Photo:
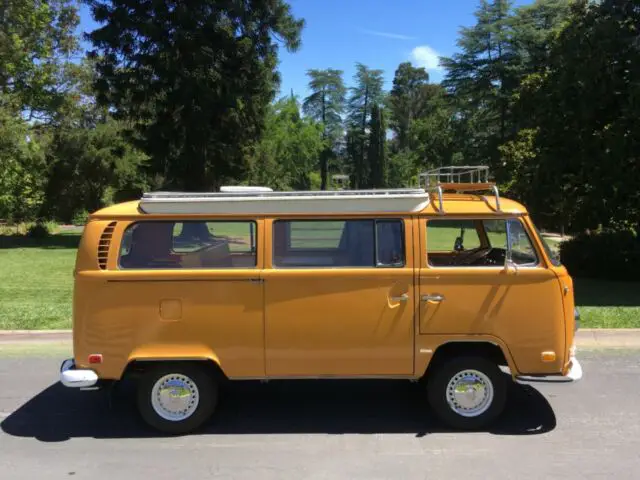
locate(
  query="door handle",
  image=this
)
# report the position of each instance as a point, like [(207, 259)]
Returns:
[(432, 298), (402, 298)]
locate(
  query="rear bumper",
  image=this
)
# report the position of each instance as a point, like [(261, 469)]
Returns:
[(574, 374), (74, 378)]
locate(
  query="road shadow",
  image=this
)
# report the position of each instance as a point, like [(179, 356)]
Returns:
[(52, 241), (301, 407)]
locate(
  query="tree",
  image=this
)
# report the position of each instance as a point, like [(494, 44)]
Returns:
[(36, 40), (22, 167), (534, 29), (366, 93), (194, 78), (325, 105), (91, 163), (402, 168), (435, 135), (285, 157), (89, 168), (481, 77), (377, 157), (407, 100), (585, 115)]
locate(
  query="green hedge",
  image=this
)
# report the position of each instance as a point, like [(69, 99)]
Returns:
[(613, 255)]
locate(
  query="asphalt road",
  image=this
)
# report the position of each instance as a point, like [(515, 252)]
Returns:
[(317, 430)]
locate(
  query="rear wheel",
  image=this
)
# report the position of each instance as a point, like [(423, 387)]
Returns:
[(176, 398), (468, 392)]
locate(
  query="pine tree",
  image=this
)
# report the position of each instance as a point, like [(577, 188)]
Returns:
[(195, 79), (407, 100), (325, 104), (366, 93), (377, 157), (481, 77)]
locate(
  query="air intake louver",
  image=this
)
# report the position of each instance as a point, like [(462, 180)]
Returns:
[(103, 246)]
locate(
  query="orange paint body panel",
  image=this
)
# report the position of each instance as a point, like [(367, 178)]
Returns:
[(264, 321)]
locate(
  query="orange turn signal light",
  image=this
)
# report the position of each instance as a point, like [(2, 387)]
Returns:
[(548, 356)]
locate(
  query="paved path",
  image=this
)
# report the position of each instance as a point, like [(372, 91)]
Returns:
[(324, 430)]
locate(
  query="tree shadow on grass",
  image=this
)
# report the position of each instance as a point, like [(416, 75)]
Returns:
[(605, 293), (53, 241), (284, 407)]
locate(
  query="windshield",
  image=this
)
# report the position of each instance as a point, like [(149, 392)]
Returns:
[(552, 252)]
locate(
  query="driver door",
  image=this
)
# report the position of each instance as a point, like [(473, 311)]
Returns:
[(471, 291)]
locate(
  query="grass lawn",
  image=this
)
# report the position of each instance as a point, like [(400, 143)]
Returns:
[(606, 304), (36, 283)]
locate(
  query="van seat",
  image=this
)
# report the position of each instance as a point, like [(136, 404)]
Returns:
[(217, 254)]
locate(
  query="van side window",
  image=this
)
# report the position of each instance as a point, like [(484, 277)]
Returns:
[(478, 243), (331, 243), (389, 243), (166, 244)]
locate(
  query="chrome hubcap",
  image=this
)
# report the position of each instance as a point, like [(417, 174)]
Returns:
[(175, 397), (470, 393)]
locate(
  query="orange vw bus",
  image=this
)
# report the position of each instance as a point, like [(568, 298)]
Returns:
[(447, 284)]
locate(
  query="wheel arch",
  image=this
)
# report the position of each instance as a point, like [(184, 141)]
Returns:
[(144, 358), (138, 366), (490, 348)]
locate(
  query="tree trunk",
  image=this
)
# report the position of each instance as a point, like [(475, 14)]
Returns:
[(194, 179), (324, 167), (361, 174), (323, 156)]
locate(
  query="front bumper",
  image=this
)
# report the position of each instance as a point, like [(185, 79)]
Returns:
[(574, 374), (74, 378)]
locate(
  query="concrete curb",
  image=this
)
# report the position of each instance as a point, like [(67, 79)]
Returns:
[(34, 332), (586, 337), (608, 337)]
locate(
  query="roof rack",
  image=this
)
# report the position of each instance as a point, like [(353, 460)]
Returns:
[(263, 201), (464, 178)]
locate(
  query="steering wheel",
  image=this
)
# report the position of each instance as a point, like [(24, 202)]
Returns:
[(470, 256), (489, 257), (495, 256)]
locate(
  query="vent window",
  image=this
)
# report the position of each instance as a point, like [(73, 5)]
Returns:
[(103, 246)]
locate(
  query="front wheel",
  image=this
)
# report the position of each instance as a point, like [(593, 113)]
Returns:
[(467, 393), (176, 398)]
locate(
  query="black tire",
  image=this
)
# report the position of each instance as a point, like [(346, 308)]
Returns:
[(207, 397), (438, 382)]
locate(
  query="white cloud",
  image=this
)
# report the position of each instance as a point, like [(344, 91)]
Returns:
[(426, 57), (395, 36)]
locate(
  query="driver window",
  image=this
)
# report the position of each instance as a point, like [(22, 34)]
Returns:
[(450, 239), (522, 250), (478, 243)]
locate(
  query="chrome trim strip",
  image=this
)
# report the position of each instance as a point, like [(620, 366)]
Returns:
[(327, 377)]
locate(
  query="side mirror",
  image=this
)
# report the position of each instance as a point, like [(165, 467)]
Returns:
[(510, 264)]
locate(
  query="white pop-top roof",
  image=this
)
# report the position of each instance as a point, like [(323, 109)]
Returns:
[(264, 201), (243, 189)]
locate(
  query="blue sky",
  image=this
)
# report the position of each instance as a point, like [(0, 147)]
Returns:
[(378, 33)]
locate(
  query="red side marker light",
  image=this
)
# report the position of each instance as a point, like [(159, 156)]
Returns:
[(95, 358)]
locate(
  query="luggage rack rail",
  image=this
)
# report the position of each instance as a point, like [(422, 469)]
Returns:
[(464, 178)]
